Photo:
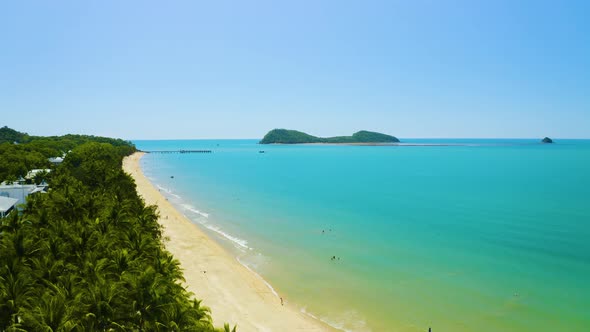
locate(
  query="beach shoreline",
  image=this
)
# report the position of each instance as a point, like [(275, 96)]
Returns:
[(235, 293)]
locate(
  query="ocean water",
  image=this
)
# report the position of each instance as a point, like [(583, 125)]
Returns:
[(476, 235)]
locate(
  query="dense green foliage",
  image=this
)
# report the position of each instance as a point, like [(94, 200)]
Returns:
[(285, 136), (11, 136), (547, 140), (88, 256), (20, 153)]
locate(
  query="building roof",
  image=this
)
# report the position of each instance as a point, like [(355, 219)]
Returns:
[(6, 203), (17, 187), (38, 190), (32, 173)]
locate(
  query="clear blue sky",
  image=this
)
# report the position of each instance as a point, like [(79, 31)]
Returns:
[(236, 69)]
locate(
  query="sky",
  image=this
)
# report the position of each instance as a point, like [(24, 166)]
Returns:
[(236, 69)]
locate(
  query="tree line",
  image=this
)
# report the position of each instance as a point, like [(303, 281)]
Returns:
[(20, 152), (88, 255), (287, 136)]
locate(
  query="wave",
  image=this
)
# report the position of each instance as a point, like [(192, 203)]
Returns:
[(241, 242), (167, 191), (192, 209), (261, 278), (337, 325)]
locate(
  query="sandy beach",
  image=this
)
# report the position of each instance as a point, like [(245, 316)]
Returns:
[(235, 294)]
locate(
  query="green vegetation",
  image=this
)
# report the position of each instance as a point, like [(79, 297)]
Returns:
[(547, 140), (285, 136), (20, 153), (88, 255)]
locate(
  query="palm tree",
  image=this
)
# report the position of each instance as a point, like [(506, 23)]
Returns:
[(147, 219), (226, 328), (89, 255), (140, 244), (51, 312), (167, 265), (17, 293), (10, 224), (184, 316), (47, 268), (101, 299), (120, 261), (147, 291), (22, 245)]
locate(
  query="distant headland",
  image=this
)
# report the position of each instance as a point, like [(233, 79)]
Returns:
[(285, 136)]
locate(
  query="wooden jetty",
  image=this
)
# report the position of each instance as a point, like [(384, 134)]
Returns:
[(179, 151)]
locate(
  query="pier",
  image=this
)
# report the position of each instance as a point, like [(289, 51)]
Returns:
[(179, 151)]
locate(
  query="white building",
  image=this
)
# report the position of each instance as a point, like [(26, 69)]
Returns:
[(32, 173), (6, 205), (20, 191), (56, 160)]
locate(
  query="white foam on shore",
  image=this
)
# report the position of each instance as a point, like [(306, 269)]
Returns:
[(334, 325), (241, 242), (303, 310), (261, 278), (167, 191), (192, 209)]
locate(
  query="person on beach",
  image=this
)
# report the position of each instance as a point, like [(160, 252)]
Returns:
[(281, 301)]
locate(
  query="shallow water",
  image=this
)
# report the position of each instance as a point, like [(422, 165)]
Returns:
[(476, 235)]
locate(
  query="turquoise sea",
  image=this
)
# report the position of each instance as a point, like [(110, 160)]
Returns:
[(476, 235)]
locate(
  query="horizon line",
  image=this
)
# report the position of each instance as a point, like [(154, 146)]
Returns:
[(250, 138)]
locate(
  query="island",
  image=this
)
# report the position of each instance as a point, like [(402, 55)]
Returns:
[(286, 136), (547, 140)]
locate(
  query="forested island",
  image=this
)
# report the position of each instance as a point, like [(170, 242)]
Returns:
[(88, 254), (286, 136)]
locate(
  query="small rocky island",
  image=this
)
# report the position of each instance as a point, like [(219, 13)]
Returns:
[(547, 140), (285, 136)]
